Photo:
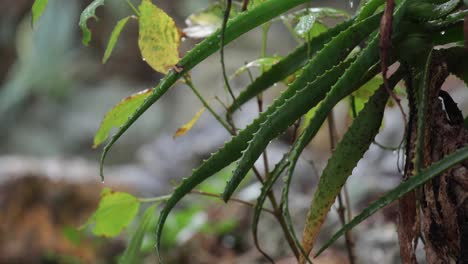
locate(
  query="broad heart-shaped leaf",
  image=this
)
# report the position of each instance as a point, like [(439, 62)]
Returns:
[(132, 253), (114, 37), (185, 128), (158, 37), (233, 149), (88, 12), (236, 27), (37, 9), (344, 159), (116, 211), (119, 115), (411, 184)]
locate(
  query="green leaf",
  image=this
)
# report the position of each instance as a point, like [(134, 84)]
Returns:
[(362, 95), (72, 234), (344, 159), (132, 253), (411, 184), (37, 9), (119, 114), (113, 38), (263, 63), (205, 22), (115, 212), (88, 13), (306, 98), (235, 28), (288, 65), (158, 37)]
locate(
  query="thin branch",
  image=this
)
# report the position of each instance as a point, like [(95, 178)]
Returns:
[(341, 209), (164, 198), (190, 84)]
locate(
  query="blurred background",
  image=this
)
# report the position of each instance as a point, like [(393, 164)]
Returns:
[(54, 93)]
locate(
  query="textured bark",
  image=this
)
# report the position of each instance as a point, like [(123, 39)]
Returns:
[(443, 203)]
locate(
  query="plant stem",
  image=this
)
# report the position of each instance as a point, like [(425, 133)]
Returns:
[(341, 209), (202, 193), (133, 8), (190, 84)]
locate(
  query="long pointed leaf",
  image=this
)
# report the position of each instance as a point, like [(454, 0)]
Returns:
[(344, 159), (325, 80), (288, 65), (304, 99), (235, 28), (233, 149), (132, 253), (409, 185)]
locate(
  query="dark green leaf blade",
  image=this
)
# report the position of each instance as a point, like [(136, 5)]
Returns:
[(411, 184), (288, 65)]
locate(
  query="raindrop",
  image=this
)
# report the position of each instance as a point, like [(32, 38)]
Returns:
[(102, 181), (183, 39), (442, 33), (394, 152), (351, 3), (144, 59)]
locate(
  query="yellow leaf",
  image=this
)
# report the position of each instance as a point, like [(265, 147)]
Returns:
[(185, 128), (158, 38)]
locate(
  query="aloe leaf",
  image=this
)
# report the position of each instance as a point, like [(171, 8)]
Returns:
[(409, 185), (344, 159), (288, 65), (298, 105), (236, 27), (37, 9), (132, 253), (325, 80), (233, 149), (88, 12), (113, 38), (368, 9), (422, 98), (426, 11)]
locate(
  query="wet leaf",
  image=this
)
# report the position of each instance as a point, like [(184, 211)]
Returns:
[(132, 253), (113, 38), (119, 114), (115, 212), (88, 12), (185, 128), (37, 9), (205, 22), (263, 63), (158, 38)]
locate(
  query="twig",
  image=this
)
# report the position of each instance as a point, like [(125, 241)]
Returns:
[(190, 84), (202, 193), (341, 209), (227, 12)]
